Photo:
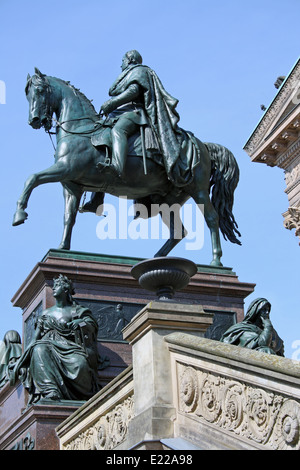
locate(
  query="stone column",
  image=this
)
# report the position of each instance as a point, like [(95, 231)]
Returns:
[(154, 410)]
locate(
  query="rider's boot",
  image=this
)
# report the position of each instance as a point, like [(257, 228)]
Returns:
[(93, 204), (119, 150), (120, 133), (119, 154)]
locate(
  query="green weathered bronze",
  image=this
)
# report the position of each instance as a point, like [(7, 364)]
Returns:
[(256, 330), (61, 361), (10, 352), (133, 148)]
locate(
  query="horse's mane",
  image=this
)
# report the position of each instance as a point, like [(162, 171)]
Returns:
[(77, 92)]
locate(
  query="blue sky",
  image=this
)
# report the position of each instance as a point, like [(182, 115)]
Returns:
[(219, 58)]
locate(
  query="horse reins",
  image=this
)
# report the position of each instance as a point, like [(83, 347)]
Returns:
[(83, 133)]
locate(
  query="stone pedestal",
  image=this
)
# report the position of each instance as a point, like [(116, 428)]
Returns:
[(153, 392), (105, 285), (30, 428), (185, 392)]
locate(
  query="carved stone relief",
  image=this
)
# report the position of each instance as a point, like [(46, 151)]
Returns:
[(107, 432), (292, 177), (27, 443), (30, 323), (253, 413), (111, 317), (221, 322)]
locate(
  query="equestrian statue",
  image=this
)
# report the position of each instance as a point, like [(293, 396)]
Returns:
[(134, 148)]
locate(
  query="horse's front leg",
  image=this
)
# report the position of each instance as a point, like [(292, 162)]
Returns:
[(53, 174), (72, 195)]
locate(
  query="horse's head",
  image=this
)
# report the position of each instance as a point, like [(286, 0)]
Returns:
[(38, 94)]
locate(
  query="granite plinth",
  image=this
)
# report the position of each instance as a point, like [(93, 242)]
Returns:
[(31, 428), (105, 284)]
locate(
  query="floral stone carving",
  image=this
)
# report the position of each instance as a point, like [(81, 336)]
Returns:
[(107, 432), (252, 413)]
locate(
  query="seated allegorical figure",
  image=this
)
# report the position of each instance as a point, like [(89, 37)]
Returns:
[(10, 352), (61, 361), (256, 330)]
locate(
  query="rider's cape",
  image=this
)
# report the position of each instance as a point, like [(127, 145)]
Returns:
[(179, 148)]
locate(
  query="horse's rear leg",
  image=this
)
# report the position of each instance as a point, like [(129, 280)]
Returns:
[(52, 175), (212, 221), (171, 217)]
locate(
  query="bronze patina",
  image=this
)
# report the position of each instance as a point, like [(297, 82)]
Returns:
[(256, 330), (61, 361), (10, 352), (133, 148)]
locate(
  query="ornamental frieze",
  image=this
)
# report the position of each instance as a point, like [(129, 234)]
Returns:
[(252, 413), (292, 177), (107, 432)]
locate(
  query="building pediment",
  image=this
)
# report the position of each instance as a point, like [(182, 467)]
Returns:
[(276, 136), (276, 142)]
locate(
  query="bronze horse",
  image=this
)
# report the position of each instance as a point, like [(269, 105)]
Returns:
[(213, 184)]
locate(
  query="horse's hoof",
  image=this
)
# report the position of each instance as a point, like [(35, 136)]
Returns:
[(19, 217), (216, 262), (88, 207), (63, 247)]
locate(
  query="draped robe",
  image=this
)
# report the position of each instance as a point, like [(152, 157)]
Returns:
[(57, 363), (180, 149)]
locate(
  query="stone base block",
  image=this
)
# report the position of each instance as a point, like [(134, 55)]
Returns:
[(151, 425), (31, 428)]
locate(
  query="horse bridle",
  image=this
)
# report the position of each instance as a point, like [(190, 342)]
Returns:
[(50, 119)]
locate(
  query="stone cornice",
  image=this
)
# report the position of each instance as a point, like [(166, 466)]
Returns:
[(268, 364), (284, 95)]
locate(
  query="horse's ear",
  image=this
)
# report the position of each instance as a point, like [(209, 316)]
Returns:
[(38, 72), (28, 77)]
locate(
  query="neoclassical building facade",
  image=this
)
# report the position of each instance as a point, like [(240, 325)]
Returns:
[(276, 141)]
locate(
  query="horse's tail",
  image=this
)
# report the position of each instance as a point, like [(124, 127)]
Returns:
[(224, 179)]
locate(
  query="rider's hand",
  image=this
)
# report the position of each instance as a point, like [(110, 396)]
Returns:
[(107, 107), (266, 322)]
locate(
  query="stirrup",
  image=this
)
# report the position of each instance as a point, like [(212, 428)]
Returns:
[(105, 164)]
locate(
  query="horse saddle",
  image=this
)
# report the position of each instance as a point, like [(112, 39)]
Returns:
[(102, 138), (183, 168)]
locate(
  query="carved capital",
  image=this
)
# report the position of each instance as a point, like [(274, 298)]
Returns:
[(292, 219)]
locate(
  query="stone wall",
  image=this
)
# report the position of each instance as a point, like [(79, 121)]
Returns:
[(198, 392), (102, 422), (232, 397)]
